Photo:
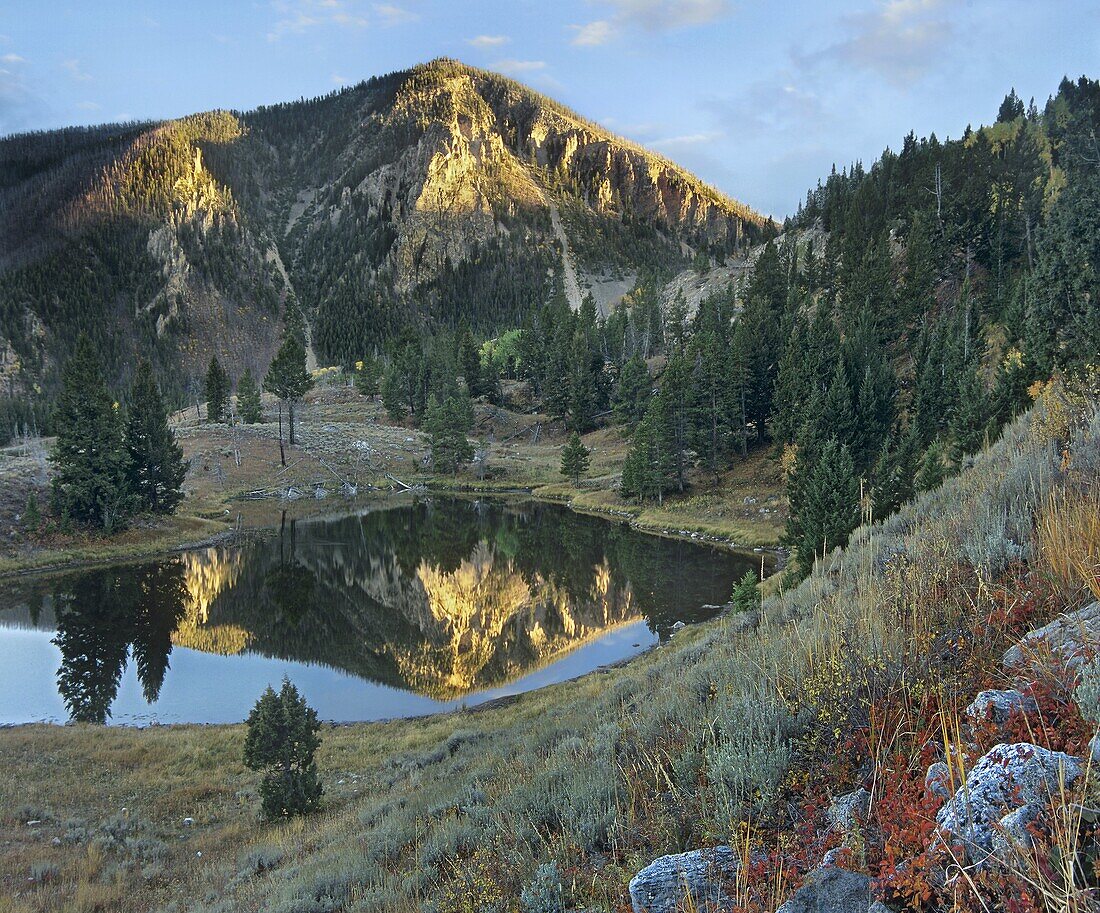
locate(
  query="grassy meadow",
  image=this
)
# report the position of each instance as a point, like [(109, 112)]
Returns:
[(735, 731)]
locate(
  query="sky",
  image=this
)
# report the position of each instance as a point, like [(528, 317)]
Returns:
[(760, 98)]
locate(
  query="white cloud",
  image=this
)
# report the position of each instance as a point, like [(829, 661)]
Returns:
[(688, 139), (595, 33), (514, 67), (12, 58), (339, 80), (488, 41), (390, 14), (901, 40), (89, 106), (298, 16), (651, 15), (72, 67)]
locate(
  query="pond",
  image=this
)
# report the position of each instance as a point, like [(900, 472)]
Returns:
[(409, 608)]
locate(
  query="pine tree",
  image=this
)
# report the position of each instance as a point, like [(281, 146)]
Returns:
[(827, 504), (932, 471), (649, 470), (632, 393), (970, 417), (90, 485), (574, 459), (368, 374), (156, 467), (288, 379), (282, 741), (216, 391), (447, 424), (895, 472), (249, 403)]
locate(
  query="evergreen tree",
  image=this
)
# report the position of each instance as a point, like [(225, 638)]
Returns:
[(288, 379), (469, 360), (574, 459), (368, 376), (393, 394), (447, 423), (828, 508), (932, 471), (249, 403), (746, 593), (216, 391), (156, 467), (282, 741), (632, 393), (91, 484), (970, 417), (648, 470), (894, 473)]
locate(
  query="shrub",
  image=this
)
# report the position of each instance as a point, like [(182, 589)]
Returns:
[(282, 739), (746, 595), (543, 894)]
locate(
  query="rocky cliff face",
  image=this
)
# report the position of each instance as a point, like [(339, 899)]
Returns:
[(427, 194)]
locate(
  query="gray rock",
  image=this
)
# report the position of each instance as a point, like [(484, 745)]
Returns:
[(1011, 836), (664, 884), (833, 890), (1094, 748), (998, 706), (1071, 637), (847, 812), (1006, 778), (937, 780)]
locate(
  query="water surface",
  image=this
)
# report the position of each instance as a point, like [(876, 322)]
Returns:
[(411, 609)]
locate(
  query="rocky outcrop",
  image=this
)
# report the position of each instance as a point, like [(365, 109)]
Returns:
[(698, 877), (999, 706), (1073, 639), (833, 890), (848, 812), (1007, 778)]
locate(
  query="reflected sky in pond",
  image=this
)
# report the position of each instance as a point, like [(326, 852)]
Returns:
[(413, 609)]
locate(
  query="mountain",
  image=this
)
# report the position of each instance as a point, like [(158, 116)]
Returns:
[(437, 195)]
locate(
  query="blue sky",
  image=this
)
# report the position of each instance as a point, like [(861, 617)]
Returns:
[(759, 98)]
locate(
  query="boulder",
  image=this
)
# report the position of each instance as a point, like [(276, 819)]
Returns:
[(998, 706), (665, 884), (937, 780), (1094, 748), (833, 890), (1071, 637), (847, 812), (1005, 779), (1011, 836)]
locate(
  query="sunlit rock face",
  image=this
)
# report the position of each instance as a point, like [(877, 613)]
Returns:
[(207, 574)]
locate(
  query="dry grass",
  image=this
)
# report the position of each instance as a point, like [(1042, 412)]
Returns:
[(1069, 539)]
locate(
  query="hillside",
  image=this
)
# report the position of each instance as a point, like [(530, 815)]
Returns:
[(434, 196)]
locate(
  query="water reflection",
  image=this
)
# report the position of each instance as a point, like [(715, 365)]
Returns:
[(442, 598)]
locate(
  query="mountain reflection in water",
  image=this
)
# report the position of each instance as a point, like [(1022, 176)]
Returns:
[(443, 598)]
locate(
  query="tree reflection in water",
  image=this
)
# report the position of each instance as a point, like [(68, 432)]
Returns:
[(442, 598)]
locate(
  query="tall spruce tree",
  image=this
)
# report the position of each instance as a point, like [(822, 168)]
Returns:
[(632, 393), (91, 484), (574, 458), (249, 404), (828, 504), (216, 390), (288, 379), (156, 468), (447, 423)]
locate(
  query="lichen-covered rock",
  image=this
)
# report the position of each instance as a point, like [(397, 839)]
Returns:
[(1073, 638), (937, 780), (1094, 748), (1011, 836), (998, 706), (847, 812), (1006, 778), (666, 883), (833, 890)]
